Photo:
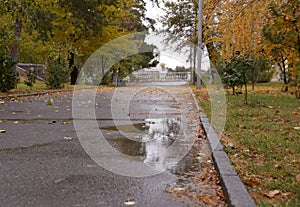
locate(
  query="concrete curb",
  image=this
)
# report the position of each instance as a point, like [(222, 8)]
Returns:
[(38, 93), (232, 186), (23, 95)]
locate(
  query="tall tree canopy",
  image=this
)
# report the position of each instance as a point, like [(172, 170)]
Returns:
[(70, 31), (268, 30)]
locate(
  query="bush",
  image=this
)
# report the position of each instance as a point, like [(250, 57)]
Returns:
[(56, 76), (265, 76), (31, 76), (8, 77)]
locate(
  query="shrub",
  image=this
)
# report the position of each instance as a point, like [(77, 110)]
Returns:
[(56, 76), (31, 76), (8, 77), (265, 76)]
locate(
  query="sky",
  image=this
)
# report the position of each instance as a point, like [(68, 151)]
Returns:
[(167, 55)]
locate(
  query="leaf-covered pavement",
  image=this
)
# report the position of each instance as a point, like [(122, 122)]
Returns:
[(43, 163)]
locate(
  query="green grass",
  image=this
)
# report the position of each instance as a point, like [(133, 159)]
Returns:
[(262, 142)]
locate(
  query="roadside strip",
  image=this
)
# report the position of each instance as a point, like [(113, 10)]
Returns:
[(232, 186)]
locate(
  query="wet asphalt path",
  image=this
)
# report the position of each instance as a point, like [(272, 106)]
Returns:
[(42, 162)]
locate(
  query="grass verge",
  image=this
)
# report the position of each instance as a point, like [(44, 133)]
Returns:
[(41, 87), (262, 140)]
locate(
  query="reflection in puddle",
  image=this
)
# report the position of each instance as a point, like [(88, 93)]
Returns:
[(155, 136)]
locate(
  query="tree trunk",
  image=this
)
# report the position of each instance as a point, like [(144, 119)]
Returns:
[(284, 74), (246, 93), (74, 68), (15, 46), (74, 75)]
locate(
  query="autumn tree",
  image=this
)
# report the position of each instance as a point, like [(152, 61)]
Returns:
[(181, 21), (282, 37)]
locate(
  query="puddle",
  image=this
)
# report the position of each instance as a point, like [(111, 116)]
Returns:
[(132, 128), (155, 136)]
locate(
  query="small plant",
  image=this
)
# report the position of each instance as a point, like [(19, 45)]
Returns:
[(49, 102), (31, 76), (8, 77), (57, 75)]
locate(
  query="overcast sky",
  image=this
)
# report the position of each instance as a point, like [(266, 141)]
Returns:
[(167, 55)]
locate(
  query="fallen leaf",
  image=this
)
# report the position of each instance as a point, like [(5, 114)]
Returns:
[(49, 102), (254, 183), (68, 138), (58, 180), (1, 121), (2, 102), (16, 122), (129, 203), (298, 177), (230, 144), (2, 131), (297, 128), (65, 122), (178, 189), (260, 163), (287, 194), (273, 193)]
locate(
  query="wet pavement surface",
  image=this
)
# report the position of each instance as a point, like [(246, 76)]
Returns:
[(43, 162)]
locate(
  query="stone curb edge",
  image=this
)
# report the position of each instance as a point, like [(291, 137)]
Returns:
[(38, 93), (232, 186), (25, 95)]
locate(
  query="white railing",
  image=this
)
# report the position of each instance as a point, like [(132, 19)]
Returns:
[(156, 76)]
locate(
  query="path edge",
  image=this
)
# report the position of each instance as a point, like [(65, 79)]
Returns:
[(232, 186)]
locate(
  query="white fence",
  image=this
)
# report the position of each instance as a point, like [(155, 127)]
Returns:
[(157, 76)]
